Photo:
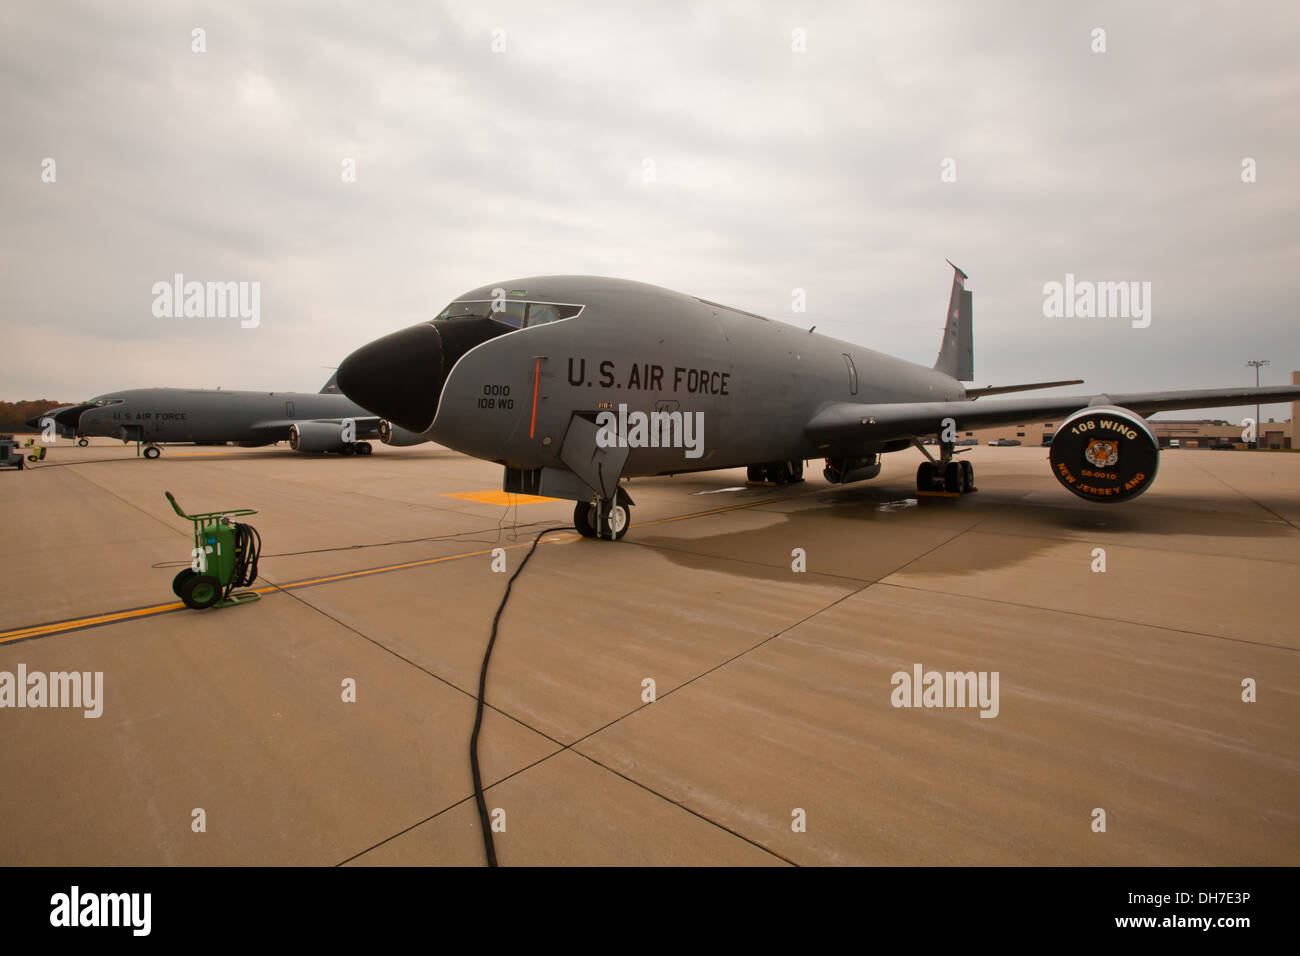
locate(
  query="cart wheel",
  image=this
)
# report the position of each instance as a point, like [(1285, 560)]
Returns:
[(178, 582), (200, 591)]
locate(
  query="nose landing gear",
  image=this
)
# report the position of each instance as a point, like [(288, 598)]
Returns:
[(602, 518)]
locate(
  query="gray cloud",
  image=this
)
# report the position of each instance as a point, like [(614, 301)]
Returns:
[(774, 170)]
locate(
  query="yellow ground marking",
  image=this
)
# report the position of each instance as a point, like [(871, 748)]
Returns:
[(113, 617), (497, 497), (206, 454)]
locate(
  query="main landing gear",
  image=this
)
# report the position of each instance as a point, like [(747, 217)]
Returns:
[(777, 472), (602, 518), (945, 476)]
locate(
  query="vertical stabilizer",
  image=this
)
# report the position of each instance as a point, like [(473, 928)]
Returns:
[(957, 355)]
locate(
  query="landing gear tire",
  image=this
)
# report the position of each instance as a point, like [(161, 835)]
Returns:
[(954, 478), (968, 477), (928, 477), (182, 576), (614, 525), (364, 448), (588, 522), (582, 519), (755, 473), (200, 591), (152, 451), (83, 442), (790, 472)]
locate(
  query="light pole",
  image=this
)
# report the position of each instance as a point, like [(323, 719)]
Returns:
[(1258, 426)]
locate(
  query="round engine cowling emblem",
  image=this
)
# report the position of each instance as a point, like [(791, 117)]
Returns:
[(1105, 453)]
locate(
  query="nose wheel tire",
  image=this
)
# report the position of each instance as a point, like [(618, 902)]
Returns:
[(152, 451), (582, 522), (587, 521), (83, 442)]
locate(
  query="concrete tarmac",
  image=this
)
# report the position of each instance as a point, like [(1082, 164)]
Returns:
[(773, 738)]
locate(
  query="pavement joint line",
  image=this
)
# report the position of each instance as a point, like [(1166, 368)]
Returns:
[(1091, 617), (112, 617), (1258, 504), (134, 507), (747, 561), (452, 684), (51, 628)]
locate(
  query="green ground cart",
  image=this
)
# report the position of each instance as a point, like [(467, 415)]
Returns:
[(225, 557)]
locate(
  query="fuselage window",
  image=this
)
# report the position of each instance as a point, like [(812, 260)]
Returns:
[(539, 313), (512, 313), (853, 374)]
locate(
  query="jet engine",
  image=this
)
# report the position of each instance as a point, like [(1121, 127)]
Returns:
[(323, 436), (398, 436), (1105, 453)]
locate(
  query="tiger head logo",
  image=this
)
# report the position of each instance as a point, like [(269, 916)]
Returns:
[(1102, 452)]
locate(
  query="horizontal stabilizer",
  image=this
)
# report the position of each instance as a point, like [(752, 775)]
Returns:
[(1004, 389)]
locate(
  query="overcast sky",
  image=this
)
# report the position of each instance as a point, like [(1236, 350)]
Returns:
[(772, 170)]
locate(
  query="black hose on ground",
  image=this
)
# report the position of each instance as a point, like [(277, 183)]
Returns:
[(484, 820)]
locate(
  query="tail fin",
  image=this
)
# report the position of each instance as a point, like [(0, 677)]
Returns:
[(332, 386), (957, 355)]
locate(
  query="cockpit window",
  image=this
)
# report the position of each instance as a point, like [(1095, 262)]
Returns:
[(104, 402), (514, 313)]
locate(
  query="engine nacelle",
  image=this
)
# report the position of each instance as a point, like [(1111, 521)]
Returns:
[(1105, 453), (316, 436), (398, 436)]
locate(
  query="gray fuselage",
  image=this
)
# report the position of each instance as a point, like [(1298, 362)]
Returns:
[(757, 382)]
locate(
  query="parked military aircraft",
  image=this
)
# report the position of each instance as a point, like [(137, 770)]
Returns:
[(574, 383), (310, 422), (62, 427)]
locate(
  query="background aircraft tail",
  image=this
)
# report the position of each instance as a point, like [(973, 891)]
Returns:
[(957, 355), (332, 386)]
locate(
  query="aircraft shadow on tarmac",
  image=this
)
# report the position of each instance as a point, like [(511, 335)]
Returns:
[(837, 524)]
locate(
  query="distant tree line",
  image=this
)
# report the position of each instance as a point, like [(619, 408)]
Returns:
[(14, 415)]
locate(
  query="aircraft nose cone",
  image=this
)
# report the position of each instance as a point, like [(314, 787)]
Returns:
[(398, 377)]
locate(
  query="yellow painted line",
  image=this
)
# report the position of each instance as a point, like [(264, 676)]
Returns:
[(497, 497), (113, 617), (41, 630), (207, 454)]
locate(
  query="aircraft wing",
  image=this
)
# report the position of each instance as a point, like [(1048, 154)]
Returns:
[(843, 422), (367, 425)]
